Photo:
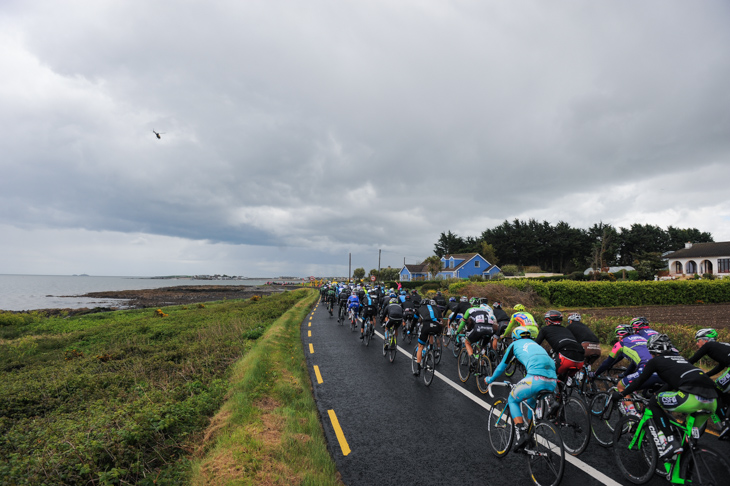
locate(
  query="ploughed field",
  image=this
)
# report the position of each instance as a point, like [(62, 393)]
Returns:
[(705, 315)]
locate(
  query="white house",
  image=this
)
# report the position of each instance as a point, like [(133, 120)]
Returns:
[(700, 258)]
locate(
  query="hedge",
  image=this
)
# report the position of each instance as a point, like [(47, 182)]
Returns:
[(611, 294)]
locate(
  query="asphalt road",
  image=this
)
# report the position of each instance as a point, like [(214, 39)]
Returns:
[(384, 426)]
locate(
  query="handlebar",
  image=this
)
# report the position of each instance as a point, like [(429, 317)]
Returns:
[(503, 383)]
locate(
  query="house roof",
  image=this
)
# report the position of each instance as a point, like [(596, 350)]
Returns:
[(460, 256), (700, 250), (419, 268)]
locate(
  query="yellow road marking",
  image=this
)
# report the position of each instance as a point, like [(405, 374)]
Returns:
[(338, 432), (316, 372), (311, 348), (309, 333), (310, 324)]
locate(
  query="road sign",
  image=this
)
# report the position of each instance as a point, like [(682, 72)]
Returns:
[(372, 278), (311, 278)]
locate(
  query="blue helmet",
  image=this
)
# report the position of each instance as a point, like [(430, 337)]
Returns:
[(521, 332)]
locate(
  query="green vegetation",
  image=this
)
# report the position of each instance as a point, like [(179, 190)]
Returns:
[(120, 397), (268, 431), (611, 294)]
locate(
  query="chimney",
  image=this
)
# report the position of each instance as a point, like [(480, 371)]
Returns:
[(688, 245)]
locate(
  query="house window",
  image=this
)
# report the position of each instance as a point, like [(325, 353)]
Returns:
[(451, 263), (723, 265), (476, 263)]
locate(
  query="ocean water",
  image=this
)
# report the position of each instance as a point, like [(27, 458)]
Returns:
[(28, 292)]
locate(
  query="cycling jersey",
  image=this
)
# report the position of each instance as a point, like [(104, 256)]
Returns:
[(460, 309), (501, 315), (393, 312), (646, 333), (353, 303), (720, 352), (523, 319), (562, 341), (479, 323), (632, 347)]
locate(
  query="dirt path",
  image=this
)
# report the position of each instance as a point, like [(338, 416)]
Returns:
[(707, 315)]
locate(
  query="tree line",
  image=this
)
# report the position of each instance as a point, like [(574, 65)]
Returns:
[(561, 248)]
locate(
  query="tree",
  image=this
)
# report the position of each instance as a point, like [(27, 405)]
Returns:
[(648, 264), (448, 244), (487, 251), (388, 274), (358, 273), (433, 263)]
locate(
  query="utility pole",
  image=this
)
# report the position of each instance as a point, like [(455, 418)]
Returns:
[(349, 269), (379, 263)]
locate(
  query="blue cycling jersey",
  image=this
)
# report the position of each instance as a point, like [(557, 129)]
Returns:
[(533, 356), (353, 301)]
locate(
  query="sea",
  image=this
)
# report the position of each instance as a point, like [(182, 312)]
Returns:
[(30, 292)]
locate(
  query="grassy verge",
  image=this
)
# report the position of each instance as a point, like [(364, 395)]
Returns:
[(268, 431), (122, 397)]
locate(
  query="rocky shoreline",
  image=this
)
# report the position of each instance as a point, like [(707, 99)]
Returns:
[(165, 296)]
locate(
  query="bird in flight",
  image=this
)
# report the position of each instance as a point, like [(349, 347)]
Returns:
[(158, 134)]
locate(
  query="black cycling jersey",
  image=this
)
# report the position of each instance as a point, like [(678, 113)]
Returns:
[(562, 341), (678, 374), (582, 333), (501, 315), (393, 312), (720, 352), (460, 309), (430, 313)]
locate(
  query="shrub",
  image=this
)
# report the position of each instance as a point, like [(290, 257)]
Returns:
[(510, 270)]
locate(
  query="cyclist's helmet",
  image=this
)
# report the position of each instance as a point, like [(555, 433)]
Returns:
[(553, 318), (438, 293), (519, 308), (708, 334), (659, 344), (452, 299), (639, 323), (574, 317), (497, 305), (521, 332), (393, 300), (408, 297), (623, 330), (463, 298), (403, 292), (474, 301), (432, 302)]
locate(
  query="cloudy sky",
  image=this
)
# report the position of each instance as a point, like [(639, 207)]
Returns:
[(297, 132)]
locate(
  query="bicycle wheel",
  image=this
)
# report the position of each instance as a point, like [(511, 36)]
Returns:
[(414, 363), (604, 416), (500, 428), (457, 347), (574, 425), (484, 369), (511, 368), (393, 347), (437, 351), (636, 457), (463, 363), (546, 456), (429, 368), (386, 340), (366, 334), (703, 466)]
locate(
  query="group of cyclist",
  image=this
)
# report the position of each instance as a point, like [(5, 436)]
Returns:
[(654, 362)]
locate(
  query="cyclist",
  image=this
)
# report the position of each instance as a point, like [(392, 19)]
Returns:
[(393, 315), (479, 322), (441, 302), (640, 325), (331, 299), (587, 338), (692, 390), (501, 316), (342, 298), (416, 297), (708, 345), (460, 309), (409, 312), (521, 318), (539, 375), (430, 317), (633, 347), (353, 304), (567, 352), (369, 310)]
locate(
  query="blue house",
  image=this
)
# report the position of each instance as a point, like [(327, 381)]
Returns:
[(462, 265)]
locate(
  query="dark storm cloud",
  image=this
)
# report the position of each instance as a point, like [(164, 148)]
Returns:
[(333, 125)]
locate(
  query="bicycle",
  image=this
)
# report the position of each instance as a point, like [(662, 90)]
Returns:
[(605, 414), (636, 453), (341, 315), (544, 451), (390, 343), (428, 363), (330, 306), (408, 330), (478, 363), (352, 315), (570, 415), (368, 331)]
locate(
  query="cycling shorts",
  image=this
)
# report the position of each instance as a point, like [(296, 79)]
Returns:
[(368, 311), (565, 366), (394, 323), (723, 381), (502, 327), (479, 332), (678, 401), (527, 390), (653, 379), (430, 328)]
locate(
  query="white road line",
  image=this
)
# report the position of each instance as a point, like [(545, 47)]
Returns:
[(587, 468)]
